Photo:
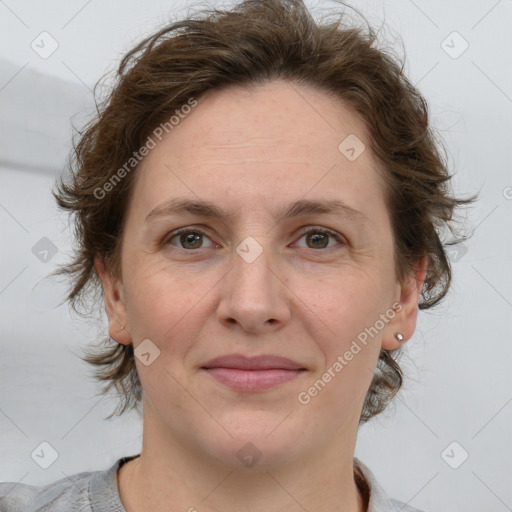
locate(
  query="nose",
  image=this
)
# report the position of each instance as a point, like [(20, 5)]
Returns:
[(254, 294)]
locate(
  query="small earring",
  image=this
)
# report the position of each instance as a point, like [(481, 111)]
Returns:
[(122, 327), (399, 337)]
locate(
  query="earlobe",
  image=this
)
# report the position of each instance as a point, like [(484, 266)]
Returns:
[(401, 328), (114, 303)]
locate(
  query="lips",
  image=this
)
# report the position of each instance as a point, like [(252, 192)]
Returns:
[(253, 374), (263, 362)]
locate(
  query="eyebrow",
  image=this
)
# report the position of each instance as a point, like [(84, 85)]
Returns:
[(298, 208)]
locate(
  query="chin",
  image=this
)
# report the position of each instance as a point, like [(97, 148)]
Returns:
[(258, 441)]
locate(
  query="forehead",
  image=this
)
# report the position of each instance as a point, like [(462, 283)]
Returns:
[(250, 144), (270, 119)]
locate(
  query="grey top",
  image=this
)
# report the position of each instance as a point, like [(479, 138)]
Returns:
[(97, 491)]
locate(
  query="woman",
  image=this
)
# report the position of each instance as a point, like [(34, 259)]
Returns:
[(258, 201)]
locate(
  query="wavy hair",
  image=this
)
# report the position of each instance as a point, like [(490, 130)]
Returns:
[(254, 42)]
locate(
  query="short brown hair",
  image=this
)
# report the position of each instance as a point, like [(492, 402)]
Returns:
[(254, 42)]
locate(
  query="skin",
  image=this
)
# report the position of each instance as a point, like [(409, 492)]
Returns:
[(252, 152)]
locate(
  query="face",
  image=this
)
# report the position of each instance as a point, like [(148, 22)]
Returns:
[(302, 286)]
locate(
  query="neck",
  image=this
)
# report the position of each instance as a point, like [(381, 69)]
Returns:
[(170, 475)]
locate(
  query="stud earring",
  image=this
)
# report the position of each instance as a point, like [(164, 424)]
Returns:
[(122, 327), (399, 337)]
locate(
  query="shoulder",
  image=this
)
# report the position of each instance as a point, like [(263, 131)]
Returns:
[(71, 494), (378, 500), (88, 491)]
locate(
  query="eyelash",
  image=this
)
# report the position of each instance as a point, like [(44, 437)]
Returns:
[(314, 229)]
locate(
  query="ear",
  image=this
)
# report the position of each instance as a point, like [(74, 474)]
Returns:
[(118, 327), (408, 296)]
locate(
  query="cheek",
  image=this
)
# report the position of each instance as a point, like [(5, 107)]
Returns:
[(350, 349), (161, 302), (345, 324), (351, 299)]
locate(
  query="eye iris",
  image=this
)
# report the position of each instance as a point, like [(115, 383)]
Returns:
[(317, 237), (190, 237)]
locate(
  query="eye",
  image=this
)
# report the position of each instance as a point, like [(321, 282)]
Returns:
[(319, 238), (190, 239)]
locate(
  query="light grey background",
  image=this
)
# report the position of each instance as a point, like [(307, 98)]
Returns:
[(458, 387)]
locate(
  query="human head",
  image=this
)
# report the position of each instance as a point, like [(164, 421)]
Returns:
[(250, 45)]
